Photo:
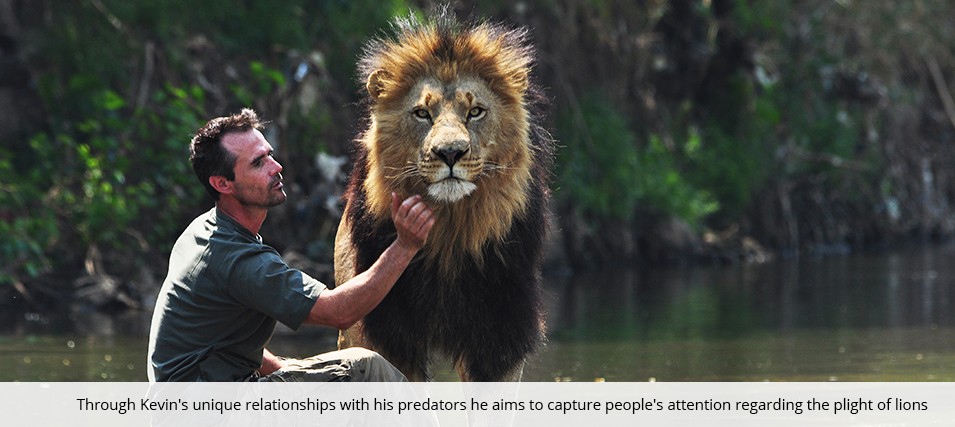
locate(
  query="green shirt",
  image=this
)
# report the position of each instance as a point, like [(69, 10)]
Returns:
[(218, 306)]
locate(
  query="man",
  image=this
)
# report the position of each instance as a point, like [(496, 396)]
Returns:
[(225, 289)]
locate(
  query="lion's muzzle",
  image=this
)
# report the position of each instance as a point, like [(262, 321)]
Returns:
[(450, 165), (450, 155)]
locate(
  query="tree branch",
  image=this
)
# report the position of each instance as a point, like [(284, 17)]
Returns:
[(942, 87)]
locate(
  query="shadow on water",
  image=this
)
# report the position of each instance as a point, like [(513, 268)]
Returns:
[(885, 317)]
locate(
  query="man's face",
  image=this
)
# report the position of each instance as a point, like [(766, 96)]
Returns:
[(258, 177)]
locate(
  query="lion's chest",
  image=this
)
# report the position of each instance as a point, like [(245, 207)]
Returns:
[(448, 276)]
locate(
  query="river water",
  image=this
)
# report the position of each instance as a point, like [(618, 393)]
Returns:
[(882, 317)]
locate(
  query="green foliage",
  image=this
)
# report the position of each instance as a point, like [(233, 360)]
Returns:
[(105, 181), (670, 189), (346, 25), (603, 172), (599, 164), (27, 228), (761, 18), (126, 84)]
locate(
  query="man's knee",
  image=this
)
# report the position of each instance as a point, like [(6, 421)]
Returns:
[(368, 365), (358, 353)]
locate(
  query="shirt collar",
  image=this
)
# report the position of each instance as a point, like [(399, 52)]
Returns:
[(228, 221)]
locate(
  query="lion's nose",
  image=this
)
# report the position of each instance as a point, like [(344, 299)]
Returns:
[(449, 155)]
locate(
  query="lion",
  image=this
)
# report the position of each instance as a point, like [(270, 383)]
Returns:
[(451, 115)]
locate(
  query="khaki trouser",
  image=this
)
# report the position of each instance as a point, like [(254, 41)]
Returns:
[(351, 364)]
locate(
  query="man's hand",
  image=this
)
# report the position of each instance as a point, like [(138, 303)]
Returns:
[(413, 220)]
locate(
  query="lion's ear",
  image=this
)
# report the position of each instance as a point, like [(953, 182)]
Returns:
[(376, 83)]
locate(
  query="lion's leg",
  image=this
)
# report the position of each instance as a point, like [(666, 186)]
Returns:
[(487, 392), (461, 367), (352, 337), (414, 368), (497, 351), (416, 373)]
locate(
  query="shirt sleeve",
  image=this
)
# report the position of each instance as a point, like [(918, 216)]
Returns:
[(261, 280)]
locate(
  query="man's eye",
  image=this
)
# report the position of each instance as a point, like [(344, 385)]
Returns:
[(476, 113)]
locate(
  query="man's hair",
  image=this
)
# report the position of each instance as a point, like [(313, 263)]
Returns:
[(209, 157)]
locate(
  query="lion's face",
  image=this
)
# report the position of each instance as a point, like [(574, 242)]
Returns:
[(453, 127), (452, 138)]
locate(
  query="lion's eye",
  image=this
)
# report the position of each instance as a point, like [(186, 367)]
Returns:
[(476, 113), (421, 114)]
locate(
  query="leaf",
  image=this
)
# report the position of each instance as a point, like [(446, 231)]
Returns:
[(111, 101)]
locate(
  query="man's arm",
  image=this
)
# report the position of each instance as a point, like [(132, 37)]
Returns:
[(349, 302)]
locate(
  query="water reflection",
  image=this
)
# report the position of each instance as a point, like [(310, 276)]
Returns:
[(854, 318), (865, 317)]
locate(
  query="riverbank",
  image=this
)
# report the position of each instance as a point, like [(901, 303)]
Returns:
[(668, 245)]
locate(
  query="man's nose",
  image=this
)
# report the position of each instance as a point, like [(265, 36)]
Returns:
[(277, 168)]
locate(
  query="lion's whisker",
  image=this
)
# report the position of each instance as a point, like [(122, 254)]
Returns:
[(405, 172), (493, 167)]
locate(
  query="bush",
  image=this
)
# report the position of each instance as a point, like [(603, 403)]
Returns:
[(603, 172)]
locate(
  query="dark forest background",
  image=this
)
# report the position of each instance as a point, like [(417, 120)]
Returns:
[(689, 131)]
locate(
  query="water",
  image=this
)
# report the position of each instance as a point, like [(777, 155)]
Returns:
[(886, 317)]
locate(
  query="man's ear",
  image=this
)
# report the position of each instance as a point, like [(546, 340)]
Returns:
[(221, 184)]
